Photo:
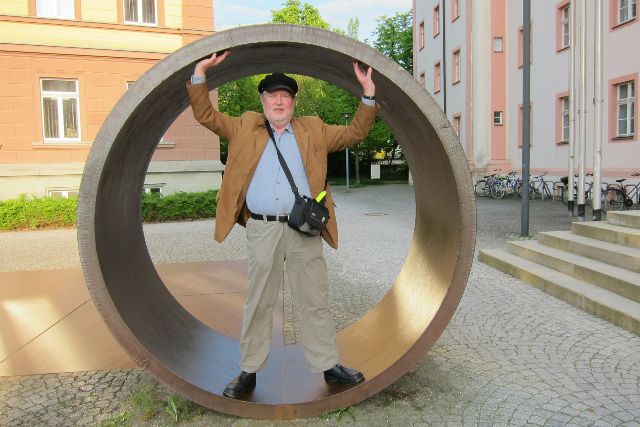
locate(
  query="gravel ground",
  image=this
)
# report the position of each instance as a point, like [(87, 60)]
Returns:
[(512, 355)]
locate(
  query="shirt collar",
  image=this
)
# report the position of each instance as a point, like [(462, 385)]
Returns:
[(288, 128)]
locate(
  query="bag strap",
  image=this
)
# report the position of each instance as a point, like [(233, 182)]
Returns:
[(283, 163)]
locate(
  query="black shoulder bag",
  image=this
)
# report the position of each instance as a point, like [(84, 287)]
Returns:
[(307, 215)]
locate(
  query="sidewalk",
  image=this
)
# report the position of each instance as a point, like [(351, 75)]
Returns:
[(512, 355)]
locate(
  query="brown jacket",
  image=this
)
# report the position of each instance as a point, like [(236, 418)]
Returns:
[(248, 137)]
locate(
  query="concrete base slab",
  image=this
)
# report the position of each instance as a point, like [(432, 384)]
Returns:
[(48, 322)]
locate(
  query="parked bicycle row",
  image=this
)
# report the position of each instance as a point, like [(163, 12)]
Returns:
[(619, 195)]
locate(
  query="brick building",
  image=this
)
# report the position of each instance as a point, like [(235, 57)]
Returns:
[(63, 66)]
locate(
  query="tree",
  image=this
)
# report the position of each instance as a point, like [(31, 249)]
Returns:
[(394, 38), (293, 12)]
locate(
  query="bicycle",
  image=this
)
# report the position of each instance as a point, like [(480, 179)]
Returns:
[(621, 197), (538, 186), (564, 195), (482, 188), (509, 184)]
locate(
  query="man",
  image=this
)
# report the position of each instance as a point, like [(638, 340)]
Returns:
[(256, 194)]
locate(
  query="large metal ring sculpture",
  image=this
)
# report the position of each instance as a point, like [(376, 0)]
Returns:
[(182, 352)]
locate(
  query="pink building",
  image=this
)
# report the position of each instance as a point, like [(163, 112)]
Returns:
[(468, 54)]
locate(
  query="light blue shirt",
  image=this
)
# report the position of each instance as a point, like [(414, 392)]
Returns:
[(270, 192)]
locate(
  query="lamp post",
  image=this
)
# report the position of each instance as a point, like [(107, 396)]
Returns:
[(346, 123)]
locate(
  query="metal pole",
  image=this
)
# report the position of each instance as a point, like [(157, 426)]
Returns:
[(526, 122), (444, 60), (597, 127), (572, 108), (346, 123), (582, 113)]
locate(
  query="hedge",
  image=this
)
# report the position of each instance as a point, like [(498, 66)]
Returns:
[(30, 213)]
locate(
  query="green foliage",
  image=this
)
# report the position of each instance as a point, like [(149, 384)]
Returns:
[(117, 420), (28, 212), (178, 206), (339, 414), (177, 407), (394, 38), (145, 401), (295, 12)]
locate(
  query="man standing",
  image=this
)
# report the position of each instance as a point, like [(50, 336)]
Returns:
[(256, 194)]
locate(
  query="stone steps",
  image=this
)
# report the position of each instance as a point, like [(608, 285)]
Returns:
[(610, 277), (618, 234), (595, 266), (618, 255), (590, 298)]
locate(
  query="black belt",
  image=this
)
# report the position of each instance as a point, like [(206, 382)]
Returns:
[(279, 218)]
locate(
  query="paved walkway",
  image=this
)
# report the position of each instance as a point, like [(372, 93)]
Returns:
[(512, 355)]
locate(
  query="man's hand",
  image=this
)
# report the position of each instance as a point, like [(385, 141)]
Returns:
[(205, 64), (364, 78)]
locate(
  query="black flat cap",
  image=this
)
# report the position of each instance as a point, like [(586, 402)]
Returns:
[(277, 81)]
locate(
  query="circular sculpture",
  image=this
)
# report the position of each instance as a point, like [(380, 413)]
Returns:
[(197, 361)]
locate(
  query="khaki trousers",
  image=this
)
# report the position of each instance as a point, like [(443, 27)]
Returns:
[(270, 245)]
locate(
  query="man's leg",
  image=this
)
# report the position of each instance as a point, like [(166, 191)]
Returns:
[(266, 259), (307, 272)]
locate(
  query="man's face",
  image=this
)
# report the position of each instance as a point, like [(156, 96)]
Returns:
[(278, 106)]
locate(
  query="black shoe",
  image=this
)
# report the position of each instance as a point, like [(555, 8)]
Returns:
[(241, 385), (343, 375)]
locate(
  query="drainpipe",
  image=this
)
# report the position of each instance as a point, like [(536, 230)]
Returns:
[(526, 113), (583, 108), (597, 127), (444, 61), (572, 107)]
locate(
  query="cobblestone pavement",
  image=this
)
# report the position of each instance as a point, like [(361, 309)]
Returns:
[(512, 355)]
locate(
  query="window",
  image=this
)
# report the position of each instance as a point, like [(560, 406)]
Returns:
[(626, 10), (60, 120), (140, 12), (64, 9), (62, 193), (457, 124), (562, 118), (421, 36), (436, 77), (436, 20), (497, 118), (564, 27), (153, 189), (521, 46), (625, 109), (457, 67), (565, 119), (497, 45), (455, 10), (520, 124)]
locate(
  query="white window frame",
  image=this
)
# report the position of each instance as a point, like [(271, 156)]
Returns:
[(139, 10), (60, 97), (498, 118), (497, 45), (564, 112), (63, 192), (52, 9), (457, 125), (629, 7), (457, 66), (629, 102), (566, 17), (149, 188)]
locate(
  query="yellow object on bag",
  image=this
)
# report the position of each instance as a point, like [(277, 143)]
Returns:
[(321, 196)]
